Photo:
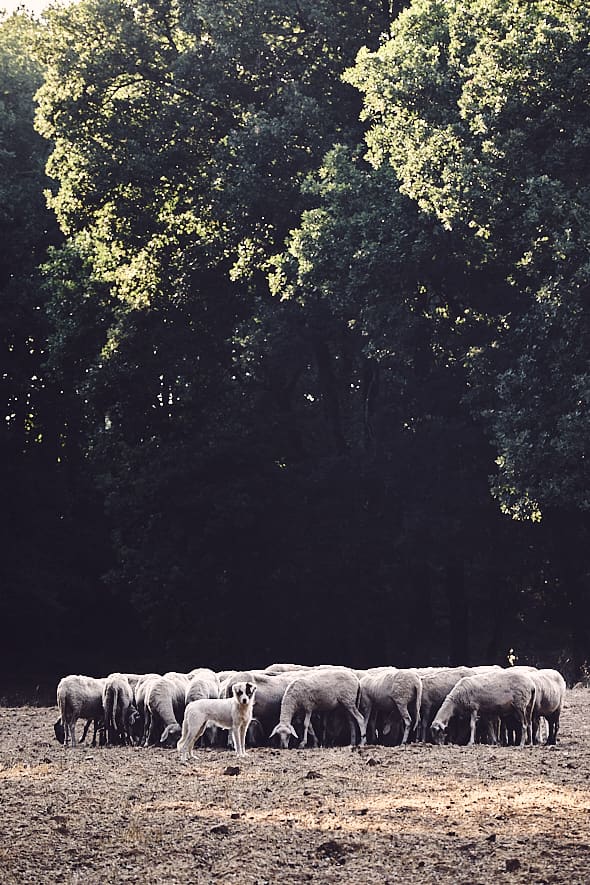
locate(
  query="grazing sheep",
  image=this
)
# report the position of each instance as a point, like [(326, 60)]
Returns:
[(60, 734), (498, 694), (550, 696), (140, 692), (321, 689), (437, 682), (391, 692), (165, 702), (79, 697), (267, 703), (551, 703), (119, 710)]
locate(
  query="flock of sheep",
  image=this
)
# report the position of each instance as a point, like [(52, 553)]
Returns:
[(326, 705)]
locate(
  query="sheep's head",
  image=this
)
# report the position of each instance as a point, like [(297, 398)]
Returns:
[(284, 733), (438, 732), (171, 734), (59, 731)]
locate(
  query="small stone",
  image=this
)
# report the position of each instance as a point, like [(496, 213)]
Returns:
[(221, 830), (512, 865), (232, 769)]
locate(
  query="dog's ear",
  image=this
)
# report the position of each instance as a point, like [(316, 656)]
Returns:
[(251, 688), (235, 689), (293, 732)]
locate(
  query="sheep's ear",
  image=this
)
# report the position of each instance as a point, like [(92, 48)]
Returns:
[(274, 731), (293, 732)]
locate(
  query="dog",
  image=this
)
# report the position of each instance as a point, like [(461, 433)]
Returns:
[(234, 714)]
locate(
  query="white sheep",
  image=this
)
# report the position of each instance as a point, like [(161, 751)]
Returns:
[(320, 690), (119, 710), (204, 683), (391, 692), (437, 682), (79, 697), (550, 697), (551, 702), (139, 693), (165, 702), (503, 693), (278, 669)]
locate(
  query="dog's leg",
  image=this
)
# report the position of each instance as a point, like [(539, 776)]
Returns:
[(240, 739)]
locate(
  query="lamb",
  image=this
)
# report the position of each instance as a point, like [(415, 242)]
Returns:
[(79, 697), (165, 702), (495, 694), (390, 691), (120, 712), (323, 690)]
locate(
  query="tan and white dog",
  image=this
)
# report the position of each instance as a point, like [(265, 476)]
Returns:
[(234, 714)]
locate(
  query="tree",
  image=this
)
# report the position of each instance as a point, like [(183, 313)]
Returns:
[(479, 109), (181, 135)]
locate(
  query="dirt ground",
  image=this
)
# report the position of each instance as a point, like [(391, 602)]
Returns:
[(376, 815)]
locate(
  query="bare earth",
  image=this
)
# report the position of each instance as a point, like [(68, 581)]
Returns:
[(377, 815)]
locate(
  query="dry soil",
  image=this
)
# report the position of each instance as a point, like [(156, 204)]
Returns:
[(382, 815)]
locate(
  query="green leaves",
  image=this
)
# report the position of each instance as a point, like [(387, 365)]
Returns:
[(479, 110)]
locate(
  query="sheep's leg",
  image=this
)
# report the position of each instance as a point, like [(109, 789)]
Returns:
[(356, 715), (521, 728), (306, 728), (407, 719), (147, 724), (473, 725), (553, 726), (153, 737), (423, 725), (370, 725), (87, 725), (313, 735)]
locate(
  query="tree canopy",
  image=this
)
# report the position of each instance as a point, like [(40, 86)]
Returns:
[(295, 315)]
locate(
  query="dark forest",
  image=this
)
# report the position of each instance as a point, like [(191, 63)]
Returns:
[(294, 318)]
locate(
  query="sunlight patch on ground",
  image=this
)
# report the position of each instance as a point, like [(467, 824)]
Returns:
[(29, 771)]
